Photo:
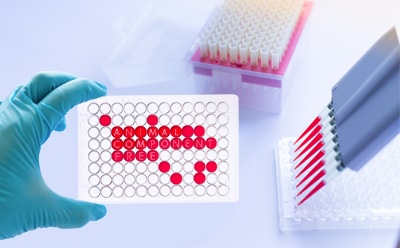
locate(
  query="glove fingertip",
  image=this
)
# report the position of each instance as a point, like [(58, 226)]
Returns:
[(98, 90), (61, 126), (98, 211), (101, 86), (70, 213)]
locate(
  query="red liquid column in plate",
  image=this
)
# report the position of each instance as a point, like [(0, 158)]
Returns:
[(129, 144)]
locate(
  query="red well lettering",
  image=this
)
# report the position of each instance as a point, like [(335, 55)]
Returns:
[(176, 131), (211, 143), (176, 143), (117, 144), (141, 155), (140, 143), (129, 144), (129, 156), (117, 156), (165, 143), (152, 155), (187, 143), (129, 132), (152, 143), (152, 132), (140, 131), (164, 131), (117, 132), (199, 143)]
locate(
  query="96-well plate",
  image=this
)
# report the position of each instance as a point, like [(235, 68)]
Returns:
[(181, 148), (366, 199)]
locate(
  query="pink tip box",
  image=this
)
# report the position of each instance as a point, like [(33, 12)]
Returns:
[(249, 55)]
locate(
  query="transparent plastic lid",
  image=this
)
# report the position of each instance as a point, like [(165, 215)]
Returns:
[(157, 43)]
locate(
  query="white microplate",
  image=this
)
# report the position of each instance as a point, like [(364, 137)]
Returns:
[(156, 149), (369, 198)]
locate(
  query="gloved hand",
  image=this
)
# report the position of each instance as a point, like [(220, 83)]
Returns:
[(27, 118)]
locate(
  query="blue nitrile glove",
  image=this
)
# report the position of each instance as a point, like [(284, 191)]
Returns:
[(27, 118)]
